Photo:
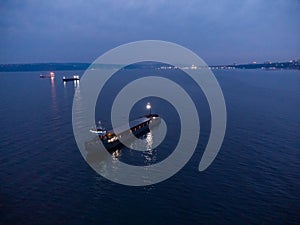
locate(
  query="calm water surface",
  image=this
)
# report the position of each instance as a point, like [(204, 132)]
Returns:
[(255, 178)]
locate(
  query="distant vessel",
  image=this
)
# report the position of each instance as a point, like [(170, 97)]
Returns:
[(50, 75), (75, 77), (137, 127)]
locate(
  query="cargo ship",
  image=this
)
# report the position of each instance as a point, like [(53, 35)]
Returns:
[(137, 127), (50, 75), (75, 77)]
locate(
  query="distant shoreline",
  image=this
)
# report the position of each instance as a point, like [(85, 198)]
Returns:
[(30, 67)]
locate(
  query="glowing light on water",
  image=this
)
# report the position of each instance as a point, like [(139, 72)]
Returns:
[(149, 140)]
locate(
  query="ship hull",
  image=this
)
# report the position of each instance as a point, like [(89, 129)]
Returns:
[(70, 79), (111, 146)]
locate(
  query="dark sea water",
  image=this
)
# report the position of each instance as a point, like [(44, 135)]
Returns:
[(255, 178)]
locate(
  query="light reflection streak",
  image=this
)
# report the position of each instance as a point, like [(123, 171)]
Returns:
[(53, 96), (149, 141), (75, 83)]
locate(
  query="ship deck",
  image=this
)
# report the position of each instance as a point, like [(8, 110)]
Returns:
[(132, 124)]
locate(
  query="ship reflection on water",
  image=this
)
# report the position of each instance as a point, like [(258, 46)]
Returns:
[(149, 140), (150, 156), (116, 154)]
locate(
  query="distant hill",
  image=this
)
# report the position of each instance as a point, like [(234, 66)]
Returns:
[(294, 65), (43, 67), (291, 65)]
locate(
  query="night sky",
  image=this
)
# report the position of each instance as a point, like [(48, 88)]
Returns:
[(218, 31)]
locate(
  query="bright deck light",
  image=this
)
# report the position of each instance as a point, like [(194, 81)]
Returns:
[(148, 106)]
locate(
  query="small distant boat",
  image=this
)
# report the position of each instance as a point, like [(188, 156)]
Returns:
[(50, 75), (75, 77)]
